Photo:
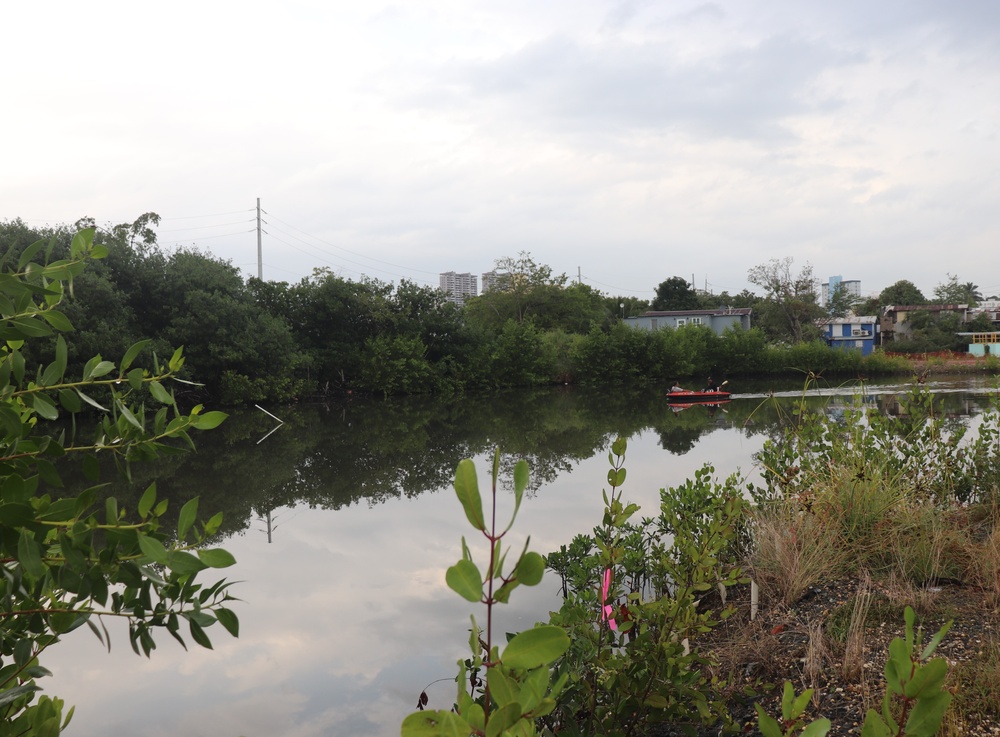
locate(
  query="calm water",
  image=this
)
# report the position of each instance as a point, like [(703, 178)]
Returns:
[(343, 522)]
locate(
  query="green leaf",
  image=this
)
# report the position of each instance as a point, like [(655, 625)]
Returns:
[(152, 548), (927, 715), (818, 728), (23, 652), (57, 320), (467, 489), (618, 446), (101, 368), (928, 679), (530, 568), (502, 719), (176, 360), (16, 515), (768, 725), (935, 641), (160, 394), (29, 253), (129, 416), (70, 400), (44, 406), (29, 555), (874, 726), (135, 378), (535, 647), (209, 420), (217, 558), (521, 476), (91, 402), (228, 619), (13, 694), (434, 724), (183, 563), (503, 688), (463, 578), (199, 636), (147, 501), (186, 518), (131, 354)]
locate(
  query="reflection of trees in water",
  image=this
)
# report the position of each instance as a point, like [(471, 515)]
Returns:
[(370, 451)]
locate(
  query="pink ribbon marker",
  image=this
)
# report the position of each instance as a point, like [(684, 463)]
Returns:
[(607, 610)]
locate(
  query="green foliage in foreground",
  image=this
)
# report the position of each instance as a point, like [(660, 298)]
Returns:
[(518, 687), (68, 561)]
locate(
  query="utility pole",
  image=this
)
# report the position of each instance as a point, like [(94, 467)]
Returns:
[(260, 252), (579, 278)]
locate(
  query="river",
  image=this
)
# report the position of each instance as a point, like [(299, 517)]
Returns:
[(343, 522)]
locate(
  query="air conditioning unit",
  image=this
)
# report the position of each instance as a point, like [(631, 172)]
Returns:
[(856, 332)]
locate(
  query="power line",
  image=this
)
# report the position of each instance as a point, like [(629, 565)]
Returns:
[(199, 227), (215, 215), (611, 286), (347, 250)]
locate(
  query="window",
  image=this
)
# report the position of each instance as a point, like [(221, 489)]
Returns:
[(681, 322), (654, 323), (696, 321)]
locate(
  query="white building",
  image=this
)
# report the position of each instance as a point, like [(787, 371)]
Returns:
[(489, 280), (851, 286), (458, 287)]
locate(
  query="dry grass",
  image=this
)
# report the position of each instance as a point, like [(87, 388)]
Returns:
[(793, 550), (985, 564), (854, 647), (816, 661)]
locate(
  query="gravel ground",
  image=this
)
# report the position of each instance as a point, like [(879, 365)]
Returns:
[(801, 644)]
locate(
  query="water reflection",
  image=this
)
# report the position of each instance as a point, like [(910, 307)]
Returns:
[(347, 616)]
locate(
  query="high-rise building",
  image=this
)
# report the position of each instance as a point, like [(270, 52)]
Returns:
[(458, 287), (489, 280), (851, 286)]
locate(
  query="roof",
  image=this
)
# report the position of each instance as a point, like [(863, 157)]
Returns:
[(856, 320), (738, 311), (929, 308)]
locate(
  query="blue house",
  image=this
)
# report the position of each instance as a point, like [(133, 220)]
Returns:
[(718, 320), (851, 333)]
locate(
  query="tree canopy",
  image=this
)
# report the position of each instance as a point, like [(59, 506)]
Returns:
[(791, 299), (903, 292), (951, 292), (675, 294)]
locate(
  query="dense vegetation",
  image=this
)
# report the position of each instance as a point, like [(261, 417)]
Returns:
[(894, 504), (250, 341)]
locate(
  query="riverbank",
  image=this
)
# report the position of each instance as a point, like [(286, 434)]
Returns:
[(949, 362)]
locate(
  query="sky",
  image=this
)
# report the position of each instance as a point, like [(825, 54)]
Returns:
[(621, 143)]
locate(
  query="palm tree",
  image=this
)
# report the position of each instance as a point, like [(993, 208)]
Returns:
[(972, 293)]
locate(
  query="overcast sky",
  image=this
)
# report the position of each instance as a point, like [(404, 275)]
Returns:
[(624, 141)]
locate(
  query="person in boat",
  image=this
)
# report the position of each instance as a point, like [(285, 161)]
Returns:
[(677, 388), (710, 385)]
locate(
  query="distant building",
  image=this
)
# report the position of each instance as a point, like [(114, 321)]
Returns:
[(458, 287), (851, 286), (718, 320), (489, 280), (846, 333), (895, 317)]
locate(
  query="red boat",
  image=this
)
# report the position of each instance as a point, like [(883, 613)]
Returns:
[(698, 397)]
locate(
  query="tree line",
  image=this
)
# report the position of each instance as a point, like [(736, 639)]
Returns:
[(248, 340)]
